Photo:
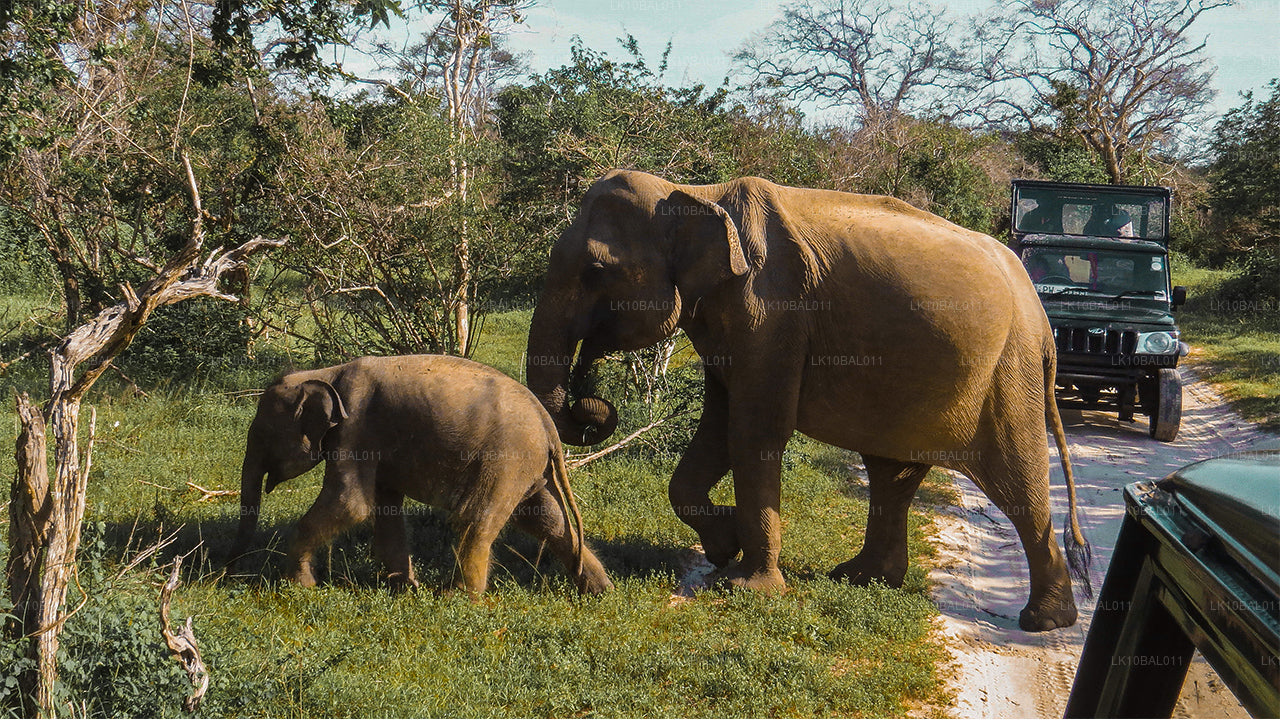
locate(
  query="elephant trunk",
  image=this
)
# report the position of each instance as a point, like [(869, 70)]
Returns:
[(550, 370), (250, 498)]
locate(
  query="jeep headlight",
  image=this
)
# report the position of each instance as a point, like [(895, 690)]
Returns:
[(1157, 343)]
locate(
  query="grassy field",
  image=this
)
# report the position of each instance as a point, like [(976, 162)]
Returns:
[(530, 648), (1235, 341)]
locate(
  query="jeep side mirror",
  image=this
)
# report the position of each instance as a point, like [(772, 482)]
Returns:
[(1179, 296)]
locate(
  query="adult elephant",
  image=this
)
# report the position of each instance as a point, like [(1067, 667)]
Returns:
[(857, 320)]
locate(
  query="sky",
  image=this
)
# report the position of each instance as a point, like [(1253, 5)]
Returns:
[(1241, 40)]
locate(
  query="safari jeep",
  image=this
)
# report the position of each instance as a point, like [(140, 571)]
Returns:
[(1098, 256)]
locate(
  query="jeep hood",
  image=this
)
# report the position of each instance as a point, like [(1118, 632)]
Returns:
[(1100, 310)]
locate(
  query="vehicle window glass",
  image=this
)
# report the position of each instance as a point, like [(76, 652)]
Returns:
[(1103, 272), (1099, 213)]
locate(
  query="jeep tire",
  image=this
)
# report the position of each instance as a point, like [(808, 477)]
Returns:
[(1166, 411)]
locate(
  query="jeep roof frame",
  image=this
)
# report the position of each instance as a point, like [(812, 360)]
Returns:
[(1153, 191)]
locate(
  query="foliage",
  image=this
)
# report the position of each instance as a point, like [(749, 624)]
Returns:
[(770, 140), (189, 340), (113, 661), (15, 661), (1123, 77), (368, 193), (295, 33), (569, 126), (104, 191), (935, 166), (29, 72), (1061, 159), (1244, 195), (1232, 321), (24, 265)]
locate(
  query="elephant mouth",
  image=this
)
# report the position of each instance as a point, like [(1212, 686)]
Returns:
[(595, 418)]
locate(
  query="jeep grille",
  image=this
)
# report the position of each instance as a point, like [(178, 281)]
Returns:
[(1080, 340)]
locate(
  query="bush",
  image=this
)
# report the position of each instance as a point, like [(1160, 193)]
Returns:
[(1258, 281), (112, 659), (25, 267), (191, 339)]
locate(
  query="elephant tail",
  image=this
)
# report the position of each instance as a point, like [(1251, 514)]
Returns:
[(568, 505), (1079, 553)]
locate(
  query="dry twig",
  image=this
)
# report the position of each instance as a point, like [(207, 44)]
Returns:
[(577, 461), (207, 494), (182, 644)]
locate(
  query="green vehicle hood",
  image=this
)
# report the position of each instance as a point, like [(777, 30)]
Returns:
[(1238, 498), (1099, 309)]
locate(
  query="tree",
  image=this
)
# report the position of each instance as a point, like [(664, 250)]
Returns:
[(569, 126), (460, 60), (369, 190), (466, 33), (45, 514), (936, 166), (1244, 187), (865, 54), (100, 110), (1120, 75)]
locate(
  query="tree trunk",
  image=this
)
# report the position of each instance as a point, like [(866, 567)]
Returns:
[(29, 511)]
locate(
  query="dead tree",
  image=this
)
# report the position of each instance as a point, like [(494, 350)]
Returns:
[(45, 517)]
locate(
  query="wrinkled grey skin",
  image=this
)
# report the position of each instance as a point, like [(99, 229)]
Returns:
[(446, 431), (857, 320)]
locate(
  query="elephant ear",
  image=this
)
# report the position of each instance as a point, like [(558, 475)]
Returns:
[(705, 249), (320, 409)]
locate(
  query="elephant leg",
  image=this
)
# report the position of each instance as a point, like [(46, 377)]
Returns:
[(1018, 483), (478, 521), (390, 539), (341, 505), (761, 424), (540, 516), (475, 546), (884, 551), (704, 463)]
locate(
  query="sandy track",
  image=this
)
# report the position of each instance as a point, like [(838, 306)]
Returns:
[(981, 583)]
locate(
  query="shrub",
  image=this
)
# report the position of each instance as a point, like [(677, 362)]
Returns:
[(190, 339)]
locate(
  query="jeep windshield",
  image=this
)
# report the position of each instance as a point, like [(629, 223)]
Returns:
[(1112, 274), (1094, 212)]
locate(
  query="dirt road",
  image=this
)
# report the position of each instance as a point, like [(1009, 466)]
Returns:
[(1000, 671)]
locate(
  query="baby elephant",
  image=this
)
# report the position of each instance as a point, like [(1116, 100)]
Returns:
[(449, 432)]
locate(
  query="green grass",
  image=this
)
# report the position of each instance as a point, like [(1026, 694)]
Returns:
[(531, 647), (1235, 342)]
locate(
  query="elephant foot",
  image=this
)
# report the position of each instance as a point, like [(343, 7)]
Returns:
[(1050, 614), (399, 582), (720, 545), (768, 580), (302, 576), (859, 571)]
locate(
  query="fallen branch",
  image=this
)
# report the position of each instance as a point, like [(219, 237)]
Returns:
[(577, 461), (207, 494), (182, 644)]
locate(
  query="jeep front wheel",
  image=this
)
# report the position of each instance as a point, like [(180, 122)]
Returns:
[(1166, 415)]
